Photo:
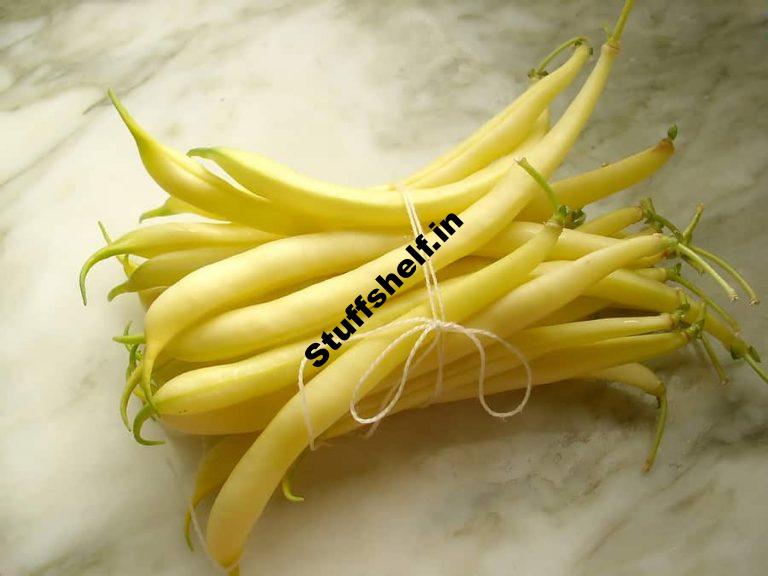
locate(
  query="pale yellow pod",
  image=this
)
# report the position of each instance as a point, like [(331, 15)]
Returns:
[(633, 374), (613, 222), (215, 466), (189, 181), (253, 414), (158, 239), (566, 364), (476, 137), (170, 267), (354, 207), (247, 329), (582, 189), (174, 206), (535, 342), (487, 216)]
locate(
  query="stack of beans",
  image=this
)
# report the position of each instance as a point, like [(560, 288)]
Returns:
[(377, 300)]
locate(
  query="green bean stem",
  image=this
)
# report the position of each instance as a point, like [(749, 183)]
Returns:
[(753, 297)]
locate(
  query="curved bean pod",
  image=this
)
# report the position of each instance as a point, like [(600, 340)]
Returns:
[(582, 189), (174, 206), (485, 218), (189, 181), (172, 236), (170, 267), (352, 207)]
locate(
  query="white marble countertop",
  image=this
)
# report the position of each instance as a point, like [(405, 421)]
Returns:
[(361, 92)]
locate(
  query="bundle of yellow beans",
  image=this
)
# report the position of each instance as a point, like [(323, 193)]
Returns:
[(289, 310)]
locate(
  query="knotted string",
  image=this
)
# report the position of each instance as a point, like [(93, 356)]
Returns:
[(426, 325), (196, 528)]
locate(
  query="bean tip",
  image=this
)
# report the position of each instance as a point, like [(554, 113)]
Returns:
[(81, 279), (154, 213), (117, 290), (104, 232), (142, 416), (140, 135), (200, 152), (665, 146), (187, 530), (119, 106)]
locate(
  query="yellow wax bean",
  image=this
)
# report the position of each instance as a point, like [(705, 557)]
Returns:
[(353, 207), (583, 189), (168, 268), (613, 222), (189, 181), (215, 466), (169, 237)]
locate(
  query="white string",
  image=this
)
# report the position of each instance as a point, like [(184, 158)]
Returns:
[(305, 404), (433, 293), (226, 570), (426, 325)]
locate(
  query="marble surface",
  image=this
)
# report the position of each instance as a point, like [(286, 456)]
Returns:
[(361, 92)]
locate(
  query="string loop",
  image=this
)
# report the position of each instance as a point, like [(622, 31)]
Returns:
[(438, 324)]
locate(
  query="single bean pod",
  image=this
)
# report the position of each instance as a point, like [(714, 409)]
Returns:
[(173, 236), (353, 207), (189, 181)]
